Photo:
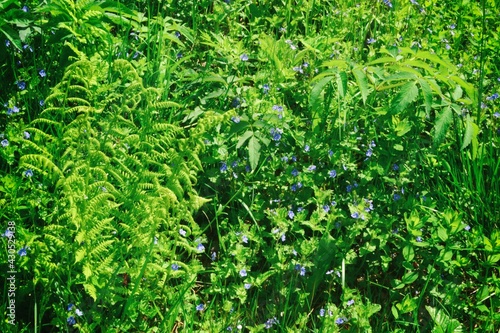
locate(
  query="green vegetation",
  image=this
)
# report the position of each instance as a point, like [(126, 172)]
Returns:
[(282, 166)]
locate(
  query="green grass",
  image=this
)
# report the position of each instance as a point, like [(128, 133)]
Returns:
[(287, 166)]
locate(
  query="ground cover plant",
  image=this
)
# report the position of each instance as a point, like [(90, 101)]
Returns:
[(284, 166)]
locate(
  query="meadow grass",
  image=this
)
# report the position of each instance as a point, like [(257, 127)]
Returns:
[(287, 166)]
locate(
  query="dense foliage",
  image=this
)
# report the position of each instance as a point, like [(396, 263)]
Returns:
[(288, 166)]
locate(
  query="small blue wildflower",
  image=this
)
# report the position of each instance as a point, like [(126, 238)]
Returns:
[(355, 215), (70, 306), (79, 312), (339, 321), (311, 168), (223, 167), (42, 102), (395, 167), (235, 119), (369, 153), (284, 159), (299, 185), (23, 251), (372, 144), (236, 102), (307, 148), (177, 34), (326, 208), (25, 9), (265, 88), (21, 85), (332, 173), (200, 247), (299, 209), (42, 73), (247, 168), (333, 203), (71, 321), (175, 267), (291, 215), (247, 286), (8, 234), (283, 238), (293, 187), (294, 158), (370, 40), (276, 133), (200, 307), (414, 2), (26, 135), (182, 232), (295, 172), (28, 173), (213, 256), (496, 115), (350, 302), (453, 26), (396, 197), (234, 164), (492, 97), (243, 272), (419, 239), (4, 143), (302, 271), (7, 42), (322, 312), (330, 153), (244, 57), (244, 239), (294, 252), (349, 188), (467, 228)]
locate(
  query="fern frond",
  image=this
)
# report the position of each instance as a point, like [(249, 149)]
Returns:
[(55, 240), (102, 248), (166, 105), (41, 162)]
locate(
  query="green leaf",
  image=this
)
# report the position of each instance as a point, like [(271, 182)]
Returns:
[(407, 95), (253, 152), (471, 131), (342, 83), (244, 138), (427, 92), (408, 252), (315, 100), (409, 277), (362, 82), (443, 121)]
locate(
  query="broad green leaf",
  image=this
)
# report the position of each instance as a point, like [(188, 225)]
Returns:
[(427, 92), (253, 152), (362, 82), (342, 83), (407, 95), (409, 277), (471, 131), (408, 252), (244, 138), (315, 99), (443, 121)]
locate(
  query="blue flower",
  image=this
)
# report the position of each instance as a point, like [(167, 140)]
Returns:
[(42, 102), (291, 215), (7, 42), (332, 173), (71, 321), (42, 73), (395, 167), (223, 167), (175, 267), (244, 239), (8, 234), (339, 321), (492, 97), (370, 41), (265, 88), (419, 239), (348, 188), (244, 57), (276, 133), (25, 9), (4, 143), (388, 3), (283, 238), (326, 208), (330, 153), (243, 272), (70, 306), (307, 148), (79, 312), (467, 228), (23, 251), (200, 247), (26, 135), (247, 286), (235, 119), (369, 153), (200, 307), (28, 173), (350, 302), (322, 312), (312, 168), (396, 197), (293, 187), (236, 102), (496, 115), (177, 34), (295, 172), (355, 215), (213, 256), (302, 271), (21, 85)]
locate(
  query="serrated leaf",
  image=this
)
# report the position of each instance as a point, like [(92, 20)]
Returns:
[(244, 138), (342, 83), (407, 95), (315, 99), (90, 289), (80, 254), (253, 152), (362, 82), (427, 92), (471, 131), (443, 121)]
